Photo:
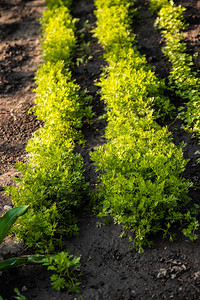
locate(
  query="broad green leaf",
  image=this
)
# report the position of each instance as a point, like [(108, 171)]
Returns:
[(20, 261), (9, 219)]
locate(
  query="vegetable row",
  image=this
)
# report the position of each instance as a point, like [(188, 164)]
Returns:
[(141, 183), (183, 78), (53, 184)]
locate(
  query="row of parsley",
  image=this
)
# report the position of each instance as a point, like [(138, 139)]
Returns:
[(141, 183), (53, 184), (182, 79)]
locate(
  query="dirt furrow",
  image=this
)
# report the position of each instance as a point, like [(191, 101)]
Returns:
[(149, 40), (87, 71)]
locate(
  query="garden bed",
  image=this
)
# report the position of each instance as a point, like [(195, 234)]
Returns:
[(111, 270)]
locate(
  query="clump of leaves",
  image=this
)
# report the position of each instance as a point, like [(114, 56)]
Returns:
[(190, 231), (155, 5), (183, 79), (58, 38), (60, 103), (9, 219), (170, 18), (141, 180), (6, 223), (67, 271), (65, 265), (19, 296), (53, 184), (83, 53), (109, 13)]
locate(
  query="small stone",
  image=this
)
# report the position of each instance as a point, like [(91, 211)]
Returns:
[(24, 288), (133, 292), (184, 267), (176, 269), (162, 273), (7, 207), (173, 276), (196, 274)]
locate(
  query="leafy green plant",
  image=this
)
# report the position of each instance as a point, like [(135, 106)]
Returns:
[(155, 5), (58, 38), (67, 270), (182, 79), (60, 103), (19, 296), (9, 219), (63, 263), (53, 184), (109, 13), (83, 53), (6, 222), (140, 178), (191, 229), (167, 16), (140, 183)]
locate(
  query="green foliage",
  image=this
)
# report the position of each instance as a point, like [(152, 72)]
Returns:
[(58, 39), (145, 94), (67, 271), (113, 37), (140, 178), (166, 16), (19, 296), (141, 182), (9, 219), (6, 222), (83, 53), (191, 229), (63, 263), (127, 69), (60, 104), (40, 229), (182, 78), (14, 262), (155, 5), (53, 184), (119, 37)]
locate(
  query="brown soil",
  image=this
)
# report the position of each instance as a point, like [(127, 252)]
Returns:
[(20, 56), (111, 270)]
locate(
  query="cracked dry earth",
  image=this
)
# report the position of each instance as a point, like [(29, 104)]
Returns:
[(111, 270)]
